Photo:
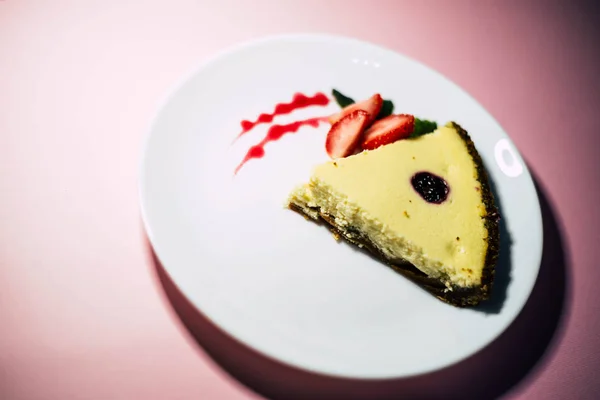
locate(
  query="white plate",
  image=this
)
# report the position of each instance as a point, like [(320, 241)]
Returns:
[(278, 283)]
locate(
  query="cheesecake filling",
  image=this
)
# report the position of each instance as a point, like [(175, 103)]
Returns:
[(418, 201), (350, 218)]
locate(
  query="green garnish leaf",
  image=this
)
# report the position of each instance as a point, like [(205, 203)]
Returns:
[(423, 127), (343, 101), (387, 108)]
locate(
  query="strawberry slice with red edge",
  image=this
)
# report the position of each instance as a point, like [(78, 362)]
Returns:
[(388, 130), (372, 105), (345, 134)]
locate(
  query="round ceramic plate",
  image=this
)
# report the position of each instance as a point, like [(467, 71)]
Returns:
[(283, 285)]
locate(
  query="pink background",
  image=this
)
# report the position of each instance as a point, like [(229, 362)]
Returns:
[(83, 313)]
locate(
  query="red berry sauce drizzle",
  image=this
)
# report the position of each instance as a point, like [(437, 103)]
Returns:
[(276, 132)]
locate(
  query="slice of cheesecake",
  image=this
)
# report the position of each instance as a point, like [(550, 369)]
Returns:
[(423, 206)]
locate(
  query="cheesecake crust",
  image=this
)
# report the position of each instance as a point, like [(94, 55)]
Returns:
[(458, 296), (492, 217)]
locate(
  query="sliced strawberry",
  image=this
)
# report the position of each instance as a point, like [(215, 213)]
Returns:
[(372, 105), (345, 134), (388, 130)]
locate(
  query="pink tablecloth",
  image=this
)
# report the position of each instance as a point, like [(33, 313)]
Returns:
[(83, 314)]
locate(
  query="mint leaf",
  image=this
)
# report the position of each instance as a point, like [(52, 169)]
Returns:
[(423, 127), (387, 108), (343, 101)]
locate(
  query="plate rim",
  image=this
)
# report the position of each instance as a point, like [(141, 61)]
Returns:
[(215, 57)]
